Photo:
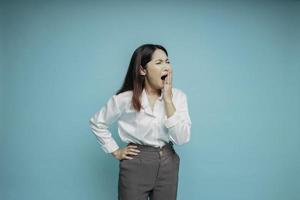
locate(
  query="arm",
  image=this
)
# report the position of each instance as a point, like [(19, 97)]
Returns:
[(100, 122), (178, 121)]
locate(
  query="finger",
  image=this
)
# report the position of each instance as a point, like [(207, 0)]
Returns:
[(128, 157), (132, 153), (131, 150), (171, 77), (131, 146), (167, 79), (135, 150)]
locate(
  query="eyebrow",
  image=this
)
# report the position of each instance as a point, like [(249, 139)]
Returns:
[(161, 59)]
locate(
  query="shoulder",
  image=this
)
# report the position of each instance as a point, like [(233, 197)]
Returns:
[(123, 99), (124, 95)]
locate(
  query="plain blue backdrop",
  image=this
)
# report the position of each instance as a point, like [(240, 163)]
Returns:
[(237, 61)]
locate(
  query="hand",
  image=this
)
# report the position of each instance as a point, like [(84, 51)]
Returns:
[(121, 154), (167, 90)]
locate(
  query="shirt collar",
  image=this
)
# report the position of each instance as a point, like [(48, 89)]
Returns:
[(145, 101), (161, 95)]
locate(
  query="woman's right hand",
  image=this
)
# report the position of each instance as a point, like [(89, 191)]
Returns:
[(123, 153)]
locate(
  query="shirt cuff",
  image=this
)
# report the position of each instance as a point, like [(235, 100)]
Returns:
[(173, 120), (110, 147)]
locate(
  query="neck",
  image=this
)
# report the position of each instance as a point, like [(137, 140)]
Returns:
[(151, 91)]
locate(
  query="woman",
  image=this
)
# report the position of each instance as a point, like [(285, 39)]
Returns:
[(152, 116)]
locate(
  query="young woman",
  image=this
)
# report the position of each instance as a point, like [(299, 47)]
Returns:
[(152, 116)]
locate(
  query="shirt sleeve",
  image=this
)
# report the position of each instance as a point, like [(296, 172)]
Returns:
[(100, 122), (179, 124)]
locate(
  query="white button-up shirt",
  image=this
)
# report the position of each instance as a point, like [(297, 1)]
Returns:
[(145, 127)]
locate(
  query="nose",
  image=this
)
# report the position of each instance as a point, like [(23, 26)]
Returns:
[(167, 68)]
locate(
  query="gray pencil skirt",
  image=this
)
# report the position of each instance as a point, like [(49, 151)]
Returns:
[(153, 173)]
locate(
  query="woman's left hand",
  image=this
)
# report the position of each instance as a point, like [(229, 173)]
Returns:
[(167, 90)]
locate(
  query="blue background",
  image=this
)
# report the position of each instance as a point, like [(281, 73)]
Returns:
[(237, 61)]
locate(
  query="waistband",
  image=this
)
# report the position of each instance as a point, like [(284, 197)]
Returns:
[(143, 147)]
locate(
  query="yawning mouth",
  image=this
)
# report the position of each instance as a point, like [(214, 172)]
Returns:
[(163, 77)]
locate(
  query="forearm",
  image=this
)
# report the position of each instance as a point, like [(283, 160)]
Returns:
[(178, 124), (169, 108)]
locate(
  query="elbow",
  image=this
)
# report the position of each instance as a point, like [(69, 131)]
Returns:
[(184, 141), (188, 133), (181, 142), (91, 122), (187, 140), (95, 125), (182, 137)]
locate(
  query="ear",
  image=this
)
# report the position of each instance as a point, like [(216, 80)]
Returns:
[(142, 71)]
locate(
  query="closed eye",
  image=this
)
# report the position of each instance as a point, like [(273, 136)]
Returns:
[(166, 62)]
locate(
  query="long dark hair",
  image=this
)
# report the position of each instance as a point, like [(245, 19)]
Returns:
[(133, 80)]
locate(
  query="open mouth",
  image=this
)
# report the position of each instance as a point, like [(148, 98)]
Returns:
[(163, 77)]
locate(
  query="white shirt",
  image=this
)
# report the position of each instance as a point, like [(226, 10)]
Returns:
[(144, 127)]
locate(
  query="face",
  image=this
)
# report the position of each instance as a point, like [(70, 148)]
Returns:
[(156, 68)]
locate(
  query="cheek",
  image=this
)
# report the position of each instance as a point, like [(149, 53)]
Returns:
[(153, 77), (154, 74)]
